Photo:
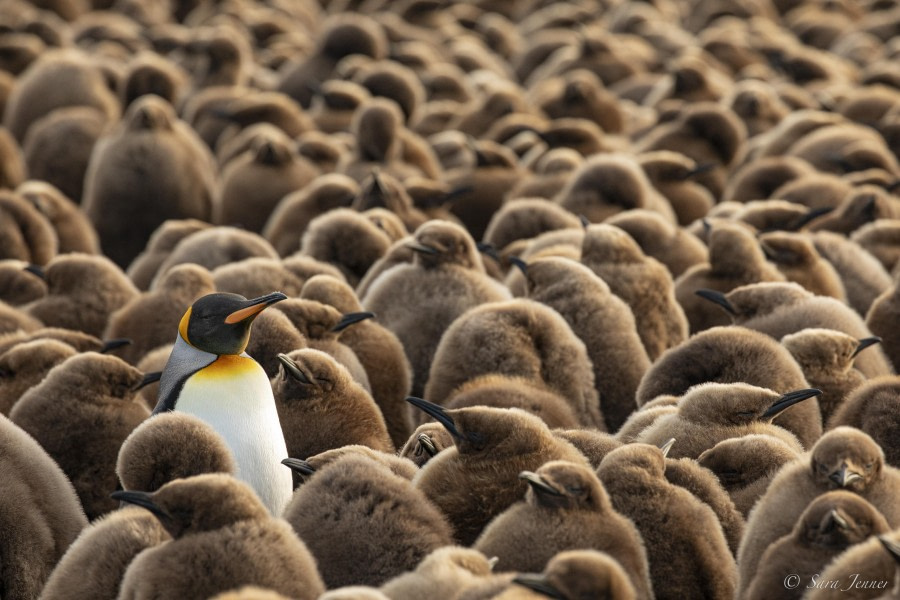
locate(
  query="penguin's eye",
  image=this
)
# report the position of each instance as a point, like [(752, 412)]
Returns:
[(870, 466), (4, 372), (575, 490), (746, 414)]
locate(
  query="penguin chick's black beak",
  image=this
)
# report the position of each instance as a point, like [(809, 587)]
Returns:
[(717, 297), (844, 476), (292, 369), (537, 583), (699, 170), (488, 250), (788, 400), (519, 264), (438, 413), (538, 483), (350, 319), (142, 499), (110, 345), (865, 343), (835, 517), (892, 547), (251, 308), (149, 378), (422, 248), (37, 271), (426, 444), (299, 466)]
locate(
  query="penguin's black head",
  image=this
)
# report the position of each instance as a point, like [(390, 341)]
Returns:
[(220, 323)]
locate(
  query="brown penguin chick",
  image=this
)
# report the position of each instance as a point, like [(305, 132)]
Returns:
[(711, 412), (358, 495), (735, 259), (25, 365), (826, 357), (82, 291), (816, 190), (797, 258), (216, 246), (149, 318), (342, 35), (445, 573), (41, 515), (564, 508), (112, 540), (248, 276), (445, 279), (673, 175), (25, 234), (829, 525), (580, 94), (223, 537), (381, 190), (670, 244), (149, 139), (218, 57), (500, 391), (254, 183), (321, 407), (589, 307), (257, 107), (881, 239), (758, 105), (686, 548), (642, 282), (170, 446), (872, 408), (143, 268), (82, 342), (91, 397), (526, 218), (334, 102), (843, 458), (425, 442), (290, 218), (549, 175), (390, 79), (592, 443), (706, 132), (321, 325), (517, 338), (778, 309), (746, 465), (346, 239), (865, 204), (21, 282), (863, 276), (843, 148), (776, 215), (74, 232), (376, 127), (574, 574), (734, 354), (608, 184), (58, 147), (378, 350), (881, 319), (473, 481), (780, 138), (705, 486), (59, 78), (863, 571), (759, 179), (151, 73)]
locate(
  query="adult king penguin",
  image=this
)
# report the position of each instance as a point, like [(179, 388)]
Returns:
[(210, 376)]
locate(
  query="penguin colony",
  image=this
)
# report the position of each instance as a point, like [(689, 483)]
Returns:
[(360, 299)]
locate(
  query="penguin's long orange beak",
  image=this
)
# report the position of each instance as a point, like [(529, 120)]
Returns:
[(253, 307)]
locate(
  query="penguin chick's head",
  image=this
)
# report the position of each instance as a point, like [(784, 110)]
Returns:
[(839, 519), (200, 503), (846, 458), (440, 242), (580, 574), (737, 403), (220, 323), (562, 484)]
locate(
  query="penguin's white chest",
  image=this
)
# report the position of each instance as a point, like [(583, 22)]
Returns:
[(234, 396)]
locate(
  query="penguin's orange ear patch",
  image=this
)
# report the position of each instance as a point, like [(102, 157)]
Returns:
[(244, 313), (183, 325)]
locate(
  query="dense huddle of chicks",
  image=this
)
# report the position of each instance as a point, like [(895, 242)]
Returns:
[(585, 297)]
